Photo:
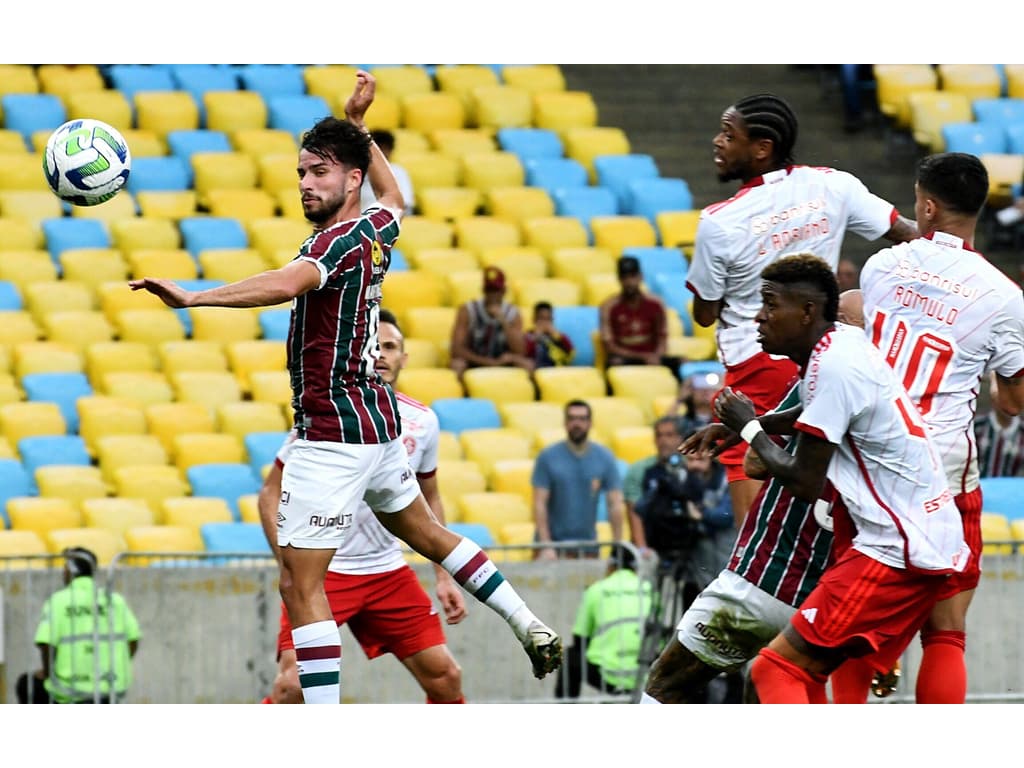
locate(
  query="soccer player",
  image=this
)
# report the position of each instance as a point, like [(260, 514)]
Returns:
[(780, 208), (944, 317), (897, 533), (347, 422), (369, 585)]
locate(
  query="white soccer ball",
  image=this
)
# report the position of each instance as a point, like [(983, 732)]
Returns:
[(86, 161)]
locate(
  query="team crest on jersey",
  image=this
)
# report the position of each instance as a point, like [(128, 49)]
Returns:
[(376, 254), (410, 444)]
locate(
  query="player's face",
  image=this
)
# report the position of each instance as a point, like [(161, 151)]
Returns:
[(779, 319), (577, 423), (732, 150), (325, 186), (392, 353)]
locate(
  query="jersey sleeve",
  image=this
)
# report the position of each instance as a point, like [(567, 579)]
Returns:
[(872, 272), (709, 266), (1007, 337), (867, 214), (611, 480), (428, 456), (831, 397), (541, 475)]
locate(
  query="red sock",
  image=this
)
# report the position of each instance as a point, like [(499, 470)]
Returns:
[(267, 700), (852, 681), (780, 681), (942, 677), (460, 700)]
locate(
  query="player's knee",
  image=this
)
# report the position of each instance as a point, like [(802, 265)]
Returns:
[(445, 684)]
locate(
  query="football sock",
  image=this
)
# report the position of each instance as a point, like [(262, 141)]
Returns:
[(852, 681), (780, 681), (318, 653), (475, 572), (267, 700), (646, 698), (942, 677)]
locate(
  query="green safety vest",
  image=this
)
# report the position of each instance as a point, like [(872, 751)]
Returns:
[(88, 631), (611, 617)]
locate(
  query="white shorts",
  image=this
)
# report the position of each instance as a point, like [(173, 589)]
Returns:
[(323, 482), (730, 621)]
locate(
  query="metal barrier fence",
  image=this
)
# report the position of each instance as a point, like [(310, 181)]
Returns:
[(210, 621)]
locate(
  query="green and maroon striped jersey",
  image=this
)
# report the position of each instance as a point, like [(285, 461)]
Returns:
[(781, 549), (332, 341)]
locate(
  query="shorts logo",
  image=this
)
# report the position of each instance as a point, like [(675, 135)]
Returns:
[(286, 496), (321, 521), (406, 475), (810, 614)]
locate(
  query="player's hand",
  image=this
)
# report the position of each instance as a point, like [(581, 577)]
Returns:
[(169, 292), (709, 440), (734, 409), (452, 602), (361, 98)]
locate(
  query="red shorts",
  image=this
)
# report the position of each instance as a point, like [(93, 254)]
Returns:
[(387, 613), (969, 505), (765, 381), (864, 606)]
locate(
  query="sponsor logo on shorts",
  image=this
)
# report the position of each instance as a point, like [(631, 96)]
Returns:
[(286, 496), (406, 476), (810, 614), (719, 644), (334, 521)]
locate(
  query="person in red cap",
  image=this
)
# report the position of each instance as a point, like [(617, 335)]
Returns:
[(489, 331)]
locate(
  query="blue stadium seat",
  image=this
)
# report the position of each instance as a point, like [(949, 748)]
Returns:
[(10, 299), (274, 323), (975, 138), (674, 293), (553, 173), (579, 323), (398, 261), (168, 172), (198, 79), (185, 143), (262, 448), (1015, 139), (269, 80), (659, 259), (234, 537), (529, 143), (296, 114), (63, 388), (585, 203), (51, 450), (649, 197), (27, 113), (1004, 496), (201, 232), (14, 482), (616, 171), (458, 413), (478, 533), (65, 233), (193, 285), (129, 79), (226, 480), (1004, 110)]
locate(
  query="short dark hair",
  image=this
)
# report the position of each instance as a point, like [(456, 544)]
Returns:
[(959, 180), (384, 139), (80, 561), (387, 316), (675, 421), (340, 140), (542, 305), (810, 270), (768, 116), (622, 556), (577, 403)]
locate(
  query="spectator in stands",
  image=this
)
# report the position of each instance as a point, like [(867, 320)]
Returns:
[(1000, 440), (634, 330), (489, 331), (847, 275), (86, 637), (545, 344), (853, 79), (386, 141), (693, 405), (608, 631), (568, 479)]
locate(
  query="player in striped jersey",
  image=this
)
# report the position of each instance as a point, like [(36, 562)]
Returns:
[(346, 417), (1000, 438), (944, 317)]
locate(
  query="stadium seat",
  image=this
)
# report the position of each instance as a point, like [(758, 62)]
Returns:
[(1004, 496), (211, 388), (274, 324), (1002, 110), (195, 511), (930, 110), (554, 173), (517, 262), (241, 418), (560, 292), (226, 481), (18, 326), (202, 233), (234, 110), (561, 384), (499, 385), (500, 106), (31, 206), (456, 414), (534, 78), (513, 476), (261, 448), (478, 233), (585, 203), (41, 298), (677, 228), (426, 322), (132, 78), (976, 138), (530, 142), (642, 383), (28, 113), (258, 142), (15, 481), (421, 353), (30, 419), (110, 106), (106, 545), (485, 170), (895, 82), (19, 235), (531, 418), (612, 412), (976, 81), (432, 111), (75, 483), (169, 173), (586, 144), (99, 415), (550, 232), (184, 144), (478, 533), (93, 266), (62, 388), (116, 451), (996, 534), (329, 81), (151, 483), (45, 356), (231, 264), (295, 114), (649, 197), (22, 173), (448, 203), (270, 80), (149, 326), (191, 355), (165, 540), (273, 234), (578, 263), (486, 446), (191, 449), (631, 444), (616, 233), (40, 516), (494, 509), (616, 171), (169, 263), (430, 384), (271, 387), (563, 110), (247, 356), (77, 328), (12, 143), (578, 323), (1005, 172), (117, 514), (142, 387), (401, 80), (248, 506), (235, 537), (222, 170), (198, 79), (163, 204), (462, 141), (164, 111), (462, 80), (62, 234), (456, 477)]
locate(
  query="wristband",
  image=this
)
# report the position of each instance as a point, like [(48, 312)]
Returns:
[(751, 430)]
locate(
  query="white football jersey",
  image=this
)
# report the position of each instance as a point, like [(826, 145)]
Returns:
[(943, 317), (885, 467), (368, 546), (800, 208)]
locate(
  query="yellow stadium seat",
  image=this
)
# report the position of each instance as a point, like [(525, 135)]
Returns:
[(461, 80), (576, 263), (976, 81), (25, 267), (32, 205), (212, 388), (240, 419), (448, 447), (432, 169), (531, 417), (45, 357), (248, 508), (561, 111), (494, 509), (485, 170), (99, 415), (521, 262), (612, 412), (401, 80), (39, 515), (194, 512), (170, 263), (677, 228), (142, 387), (116, 451), (486, 446), (248, 356), (535, 78), (161, 540), (616, 233), (1017, 530), (224, 324), (120, 207), (230, 264), (149, 326), (20, 235), (499, 384), (92, 266), (518, 204), (930, 110), (241, 204), (456, 477), (501, 106), (106, 545), (24, 543), (447, 203), (895, 82), (264, 141), (222, 170), (564, 383), (431, 111), (164, 111), (463, 285), (690, 347), (429, 384), (73, 483), (191, 355), (549, 233), (584, 144), (273, 234), (17, 326), (118, 296), (421, 232), (66, 80), (132, 234), (276, 174), (12, 143), (119, 514), (172, 205), (599, 287), (642, 383), (31, 418), (421, 353), (329, 81), (521, 536), (10, 392), (384, 114), (58, 295), (168, 420), (23, 173), (632, 444), (1014, 80), (144, 143), (1004, 172), (479, 233), (230, 111), (462, 141), (513, 476), (195, 448), (78, 328), (443, 261), (110, 106), (560, 292), (996, 534), (434, 323), (18, 78), (271, 387)]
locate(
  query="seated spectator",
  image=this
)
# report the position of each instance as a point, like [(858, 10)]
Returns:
[(634, 330), (545, 344), (489, 331), (386, 141), (696, 394), (1000, 441)]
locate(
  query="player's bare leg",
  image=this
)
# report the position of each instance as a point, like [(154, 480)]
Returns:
[(286, 688), (679, 677), (942, 677), (474, 572), (742, 493), (438, 674)]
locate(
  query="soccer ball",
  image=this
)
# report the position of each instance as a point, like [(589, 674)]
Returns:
[(86, 162)]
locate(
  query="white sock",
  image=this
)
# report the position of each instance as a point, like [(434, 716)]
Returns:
[(318, 654), (477, 574), (646, 698)]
